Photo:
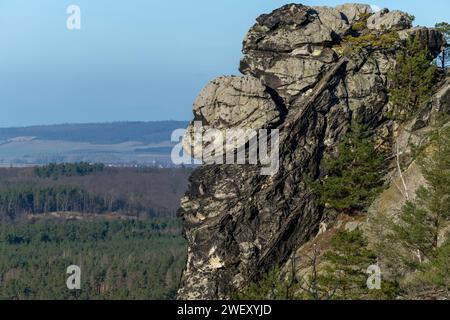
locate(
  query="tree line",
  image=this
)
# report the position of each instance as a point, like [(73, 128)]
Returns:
[(53, 170), (90, 189), (26, 199)]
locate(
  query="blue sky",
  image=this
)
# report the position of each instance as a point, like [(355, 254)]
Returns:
[(132, 60)]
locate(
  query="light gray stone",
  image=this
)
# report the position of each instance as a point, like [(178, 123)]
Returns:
[(230, 103), (353, 11), (389, 20)]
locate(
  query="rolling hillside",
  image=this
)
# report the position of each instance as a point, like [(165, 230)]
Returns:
[(119, 143)]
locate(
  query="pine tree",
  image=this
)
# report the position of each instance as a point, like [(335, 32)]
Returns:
[(412, 80), (422, 222), (340, 273), (410, 245), (346, 263), (272, 286), (434, 280), (355, 175)]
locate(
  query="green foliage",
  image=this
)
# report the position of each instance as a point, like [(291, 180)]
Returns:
[(444, 27), (361, 39), (118, 259), (361, 24), (347, 262), (270, 287), (340, 275), (422, 221), (68, 170), (436, 273), (412, 80), (354, 176), (345, 274), (412, 241), (369, 41), (411, 17)]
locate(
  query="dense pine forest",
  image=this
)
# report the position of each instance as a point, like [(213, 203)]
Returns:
[(117, 224), (118, 259)]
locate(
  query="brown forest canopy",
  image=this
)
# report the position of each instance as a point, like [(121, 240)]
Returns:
[(141, 192)]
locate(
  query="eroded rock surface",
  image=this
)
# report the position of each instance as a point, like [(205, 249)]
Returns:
[(233, 102), (240, 224), (229, 102), (390, 20)]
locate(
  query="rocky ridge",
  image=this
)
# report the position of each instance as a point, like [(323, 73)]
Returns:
[(302, 75)]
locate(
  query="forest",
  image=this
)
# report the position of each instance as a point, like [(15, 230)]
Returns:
[(68, 169), (118, 259), (118, 225), (90, 189)]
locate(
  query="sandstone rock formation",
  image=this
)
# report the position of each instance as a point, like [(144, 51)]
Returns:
[(238, 223), (389, 20), (233, 102)]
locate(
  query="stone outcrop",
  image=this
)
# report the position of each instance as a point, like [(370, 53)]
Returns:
[(389, 20), (240, 224), (290, 48), (233, 102), (243, 102), (432, 38)]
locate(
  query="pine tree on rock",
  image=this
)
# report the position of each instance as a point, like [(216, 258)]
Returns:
[(411, 82), (355, 175), (422, 222)]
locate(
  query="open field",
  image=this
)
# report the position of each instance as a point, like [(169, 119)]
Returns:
[(118, 144)]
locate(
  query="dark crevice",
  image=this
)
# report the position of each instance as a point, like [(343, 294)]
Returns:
[(279, 102)]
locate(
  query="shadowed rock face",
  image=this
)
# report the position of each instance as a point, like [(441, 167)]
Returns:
[(238, 223)]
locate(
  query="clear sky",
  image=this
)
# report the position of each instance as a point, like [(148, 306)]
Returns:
[(131, 60)]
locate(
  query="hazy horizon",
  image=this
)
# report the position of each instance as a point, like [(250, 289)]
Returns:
[(131, 61), (91, 123)]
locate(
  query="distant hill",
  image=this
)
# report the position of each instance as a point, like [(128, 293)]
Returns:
[(117, 143), (98, 133)]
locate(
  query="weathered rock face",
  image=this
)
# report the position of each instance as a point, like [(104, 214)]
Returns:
[(442, 97), (238, 223), (290, 48), (352, 12), (389, 20), (243, 102), (233, 102), (431, 37)]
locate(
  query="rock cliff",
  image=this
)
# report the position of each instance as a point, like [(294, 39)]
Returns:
[(305, 74)]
